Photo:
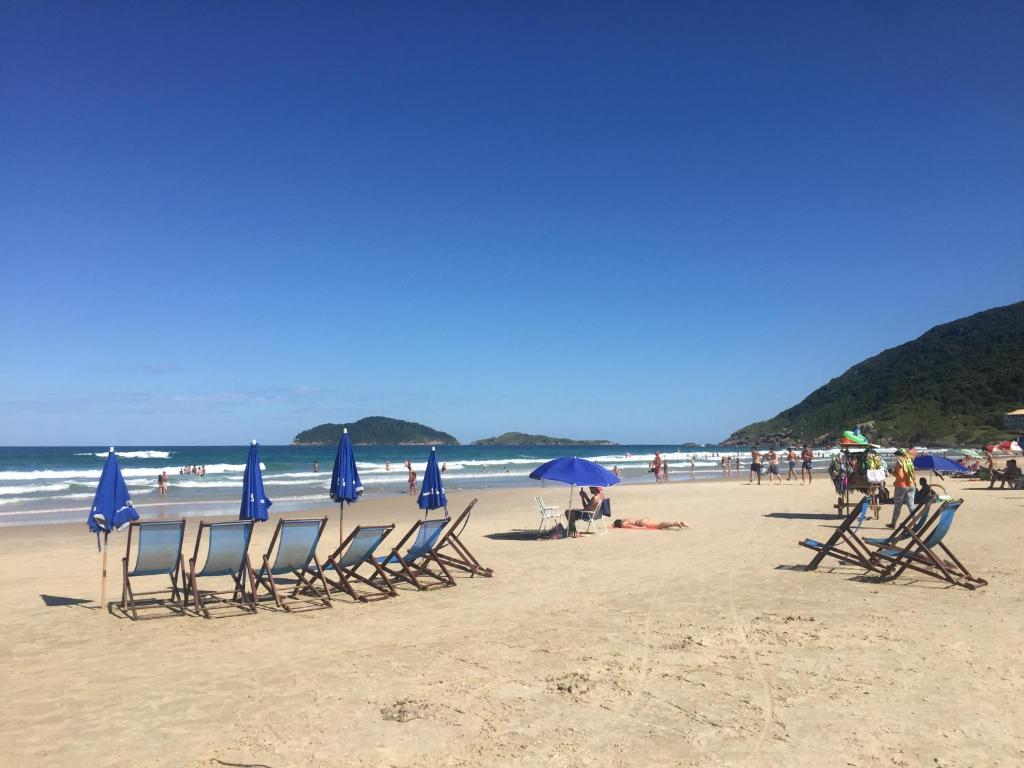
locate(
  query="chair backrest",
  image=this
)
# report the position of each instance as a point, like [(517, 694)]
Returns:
[(159, 546), (606, 508), (228, 544), (426, 537), (363, 542), (540, 503), (945, 522), (297, 540), (862, 512)]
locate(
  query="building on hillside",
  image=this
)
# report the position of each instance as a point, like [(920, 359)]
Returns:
[(1014, 420)]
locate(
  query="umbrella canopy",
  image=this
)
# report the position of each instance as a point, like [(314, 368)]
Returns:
[(345, 485), (112, 506), (574, 471), (255, 504), (937, 464), (432, 494)]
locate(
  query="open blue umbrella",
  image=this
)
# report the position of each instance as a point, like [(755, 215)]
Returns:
[(937, 464), (432, 494), (112, 510), (574, 471), (345, 485), (255, 504)]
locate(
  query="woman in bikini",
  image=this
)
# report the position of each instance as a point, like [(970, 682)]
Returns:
[(651, 525)]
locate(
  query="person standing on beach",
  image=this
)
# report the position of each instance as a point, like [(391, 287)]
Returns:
[(656, 467), (616, 471), (693, 465), (412, 480), (903, 485), (791, 458), (162, 482), (755, 466), (807, 459), (664, 471), (773, 467)]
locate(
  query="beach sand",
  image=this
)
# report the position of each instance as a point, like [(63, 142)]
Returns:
[(705, 647)]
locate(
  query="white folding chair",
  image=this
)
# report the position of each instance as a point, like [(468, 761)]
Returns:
[(554, 514)]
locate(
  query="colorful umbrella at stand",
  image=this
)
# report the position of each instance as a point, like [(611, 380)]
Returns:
[(112, 510), (345, 485), (432, 495), (255, 504)]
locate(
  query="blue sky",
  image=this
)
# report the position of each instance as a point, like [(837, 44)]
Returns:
[(630, 221)]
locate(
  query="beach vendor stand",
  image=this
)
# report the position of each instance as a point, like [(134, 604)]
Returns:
[(852, 477)]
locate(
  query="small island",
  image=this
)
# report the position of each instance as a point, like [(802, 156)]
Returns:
[(375, 430), (521, 438)]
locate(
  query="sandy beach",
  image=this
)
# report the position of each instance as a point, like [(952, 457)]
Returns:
[(695, 648)]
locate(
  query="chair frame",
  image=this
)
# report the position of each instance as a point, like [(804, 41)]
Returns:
[(129, 596), (414, 570), (856, 552), (306, 576), (547, 512), (920, 554), (345, 575), (462, 559), (239, 594), (592, 517)]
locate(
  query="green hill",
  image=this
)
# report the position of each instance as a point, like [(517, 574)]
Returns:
[(950, 386), (375, 430), (521, 438)]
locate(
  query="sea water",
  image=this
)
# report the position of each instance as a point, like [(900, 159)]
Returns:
[(57, 484)]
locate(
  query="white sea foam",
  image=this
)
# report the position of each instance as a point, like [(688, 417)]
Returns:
[(93, 474), (21, 490), (132, 454)]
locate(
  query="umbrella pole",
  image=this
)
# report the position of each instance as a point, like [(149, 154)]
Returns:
[(341, 525), (103, 579)]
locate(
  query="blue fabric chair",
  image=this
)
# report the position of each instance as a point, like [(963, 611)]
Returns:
[(158, 553), (227, 554), (356, 550), (844, 544), (927, 552), (412, 564), (294, 549)]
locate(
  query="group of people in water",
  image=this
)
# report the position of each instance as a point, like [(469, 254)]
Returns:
[(192, 469)]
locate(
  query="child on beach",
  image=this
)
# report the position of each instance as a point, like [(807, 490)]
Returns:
[(412, 480)]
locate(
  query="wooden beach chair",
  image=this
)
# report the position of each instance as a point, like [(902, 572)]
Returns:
[(927, 552), (412, 565), (295, 542), (453, 552), (358, 549), (227, 554), (844, 544), (158, 553)]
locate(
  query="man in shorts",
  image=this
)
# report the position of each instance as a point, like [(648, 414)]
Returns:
[(807, 459), (773, 467), (755, 466)]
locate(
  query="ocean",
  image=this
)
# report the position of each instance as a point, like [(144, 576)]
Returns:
[(57, 484)]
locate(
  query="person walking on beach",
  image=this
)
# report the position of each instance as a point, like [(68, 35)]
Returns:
[(807, 459), (755, 466), (656, 467), (162, 482), (412, 480), (791, 458), (773, 467), (664, 471), (903, 484), (693, 465), (616, 471)]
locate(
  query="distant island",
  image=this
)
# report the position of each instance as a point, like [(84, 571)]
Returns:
[(950, 386), (521, 438), (375, 430)]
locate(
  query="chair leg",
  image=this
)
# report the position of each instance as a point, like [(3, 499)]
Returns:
[(273, 586)]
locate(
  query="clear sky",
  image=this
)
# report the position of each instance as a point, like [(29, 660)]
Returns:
[(641, 222)]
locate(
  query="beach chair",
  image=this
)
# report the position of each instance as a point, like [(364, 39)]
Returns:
[(594, 519), (158, 553), (927, 552), (356, 550), (451, 551), (844, 544), (917, 519), (296, 542), (227, 554), (554, 514), (412, 565)]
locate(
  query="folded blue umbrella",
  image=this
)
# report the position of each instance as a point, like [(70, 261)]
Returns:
[(938, 464), (432, 495), (345, 485), (255, 504), (112, 507)]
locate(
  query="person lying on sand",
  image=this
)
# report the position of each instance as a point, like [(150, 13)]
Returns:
[(651, 525)]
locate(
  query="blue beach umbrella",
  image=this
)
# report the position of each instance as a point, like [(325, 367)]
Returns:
[(432, 495), (112, 510), (937, 464), (574, 471), (345, 485), (255, 504)]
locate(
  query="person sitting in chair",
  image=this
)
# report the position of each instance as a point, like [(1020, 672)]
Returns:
[(590, 503), (651, 525), (1004, 476)]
